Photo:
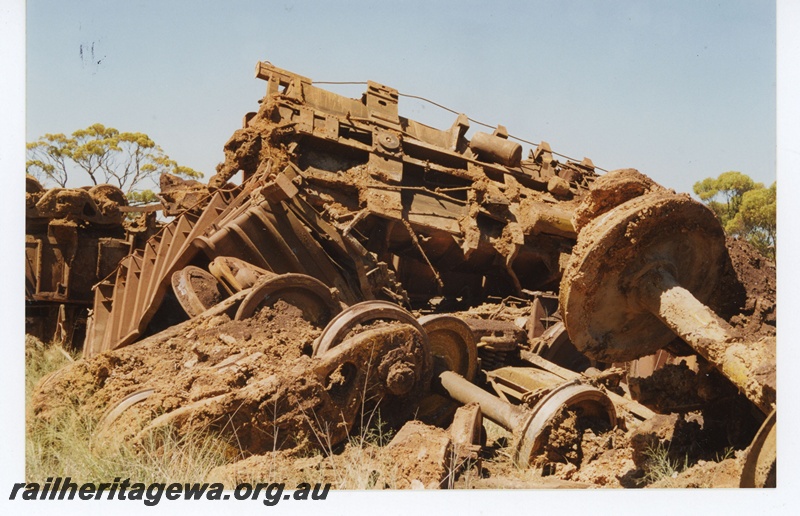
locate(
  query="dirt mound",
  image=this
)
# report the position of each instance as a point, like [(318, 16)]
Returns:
[(756, 316), (418, 457), (679, 388), (724, 474), (222, 375), (613, 468)]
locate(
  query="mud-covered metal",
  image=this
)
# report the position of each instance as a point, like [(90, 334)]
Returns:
[(760, 467), (373, 204), (438, 261), (74, 237), (361, 314), (528, 426), (642, 273), (318, 304)]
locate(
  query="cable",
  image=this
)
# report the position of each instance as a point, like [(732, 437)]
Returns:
[(488, 126), (339, 82), (444, 107)]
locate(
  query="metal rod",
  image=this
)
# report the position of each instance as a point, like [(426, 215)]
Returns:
[(504, 414), (708, 334), (690, 319)]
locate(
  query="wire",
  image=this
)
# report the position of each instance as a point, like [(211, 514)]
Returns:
[(488, 126), (445, 108), (339, 82)]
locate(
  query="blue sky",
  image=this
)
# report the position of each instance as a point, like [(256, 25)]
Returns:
[(680, 90)]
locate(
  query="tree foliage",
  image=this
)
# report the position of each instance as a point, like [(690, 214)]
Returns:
[(123, 159), (724, 194), (745, 208), (49, 158), (756, 220)]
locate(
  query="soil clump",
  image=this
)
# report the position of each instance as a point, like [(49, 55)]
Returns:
[(247, 379)]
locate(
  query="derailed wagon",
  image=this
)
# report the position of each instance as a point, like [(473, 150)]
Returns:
[(354, 215)]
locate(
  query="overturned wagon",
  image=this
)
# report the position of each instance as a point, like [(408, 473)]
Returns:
[(74, 237), (347, 211), (371, 204)]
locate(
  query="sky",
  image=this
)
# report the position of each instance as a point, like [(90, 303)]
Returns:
[(680, 90)]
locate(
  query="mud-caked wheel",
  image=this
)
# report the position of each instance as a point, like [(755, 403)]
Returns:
[(599, 298), (317, 302), (361, 314), (377, 355), (196, 290), (760, 467), (454, 349)]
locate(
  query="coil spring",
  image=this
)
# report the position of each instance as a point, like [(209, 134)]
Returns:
[(492, 358)]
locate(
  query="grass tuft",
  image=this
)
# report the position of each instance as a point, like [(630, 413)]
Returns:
[(62, 446), (659, 465)]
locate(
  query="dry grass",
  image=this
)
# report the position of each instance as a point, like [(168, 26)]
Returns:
[(63, 447), (361, 466), (659, 465)]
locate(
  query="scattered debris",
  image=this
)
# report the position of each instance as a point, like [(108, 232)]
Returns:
[(371, 267), (423, 454)]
